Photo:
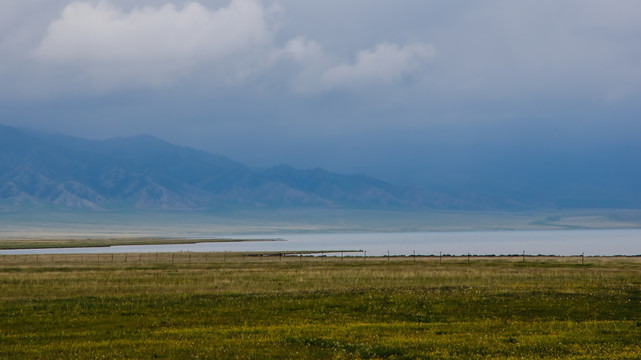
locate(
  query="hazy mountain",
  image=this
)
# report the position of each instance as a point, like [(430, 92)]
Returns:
[(42, 169), (39, 169)]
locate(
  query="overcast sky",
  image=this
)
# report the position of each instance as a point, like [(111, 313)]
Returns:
[(369, 86)]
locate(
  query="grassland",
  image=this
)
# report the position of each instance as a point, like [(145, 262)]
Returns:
[(217, 306)]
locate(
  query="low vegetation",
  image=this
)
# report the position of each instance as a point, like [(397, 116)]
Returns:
[(216, 306)]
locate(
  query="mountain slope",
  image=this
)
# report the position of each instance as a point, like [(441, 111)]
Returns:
[(146, 172)]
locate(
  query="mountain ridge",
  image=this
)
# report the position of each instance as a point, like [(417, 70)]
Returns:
[(40, 169), (145, 172)]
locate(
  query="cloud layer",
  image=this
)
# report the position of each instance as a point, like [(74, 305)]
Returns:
[(489, 50), (152, 46)]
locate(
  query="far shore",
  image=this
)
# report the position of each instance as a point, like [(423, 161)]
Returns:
[(63, 243)]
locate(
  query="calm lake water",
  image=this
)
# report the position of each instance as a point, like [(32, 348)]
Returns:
[(557, 242)]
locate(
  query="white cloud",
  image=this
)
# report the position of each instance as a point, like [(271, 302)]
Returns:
[(151, 45), (385, 63), (102, 45), (302, 50), (318, 71)]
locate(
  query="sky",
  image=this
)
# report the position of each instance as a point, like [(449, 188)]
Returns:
[(413, 92)]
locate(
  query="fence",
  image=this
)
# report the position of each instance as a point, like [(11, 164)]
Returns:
[(222, 257)]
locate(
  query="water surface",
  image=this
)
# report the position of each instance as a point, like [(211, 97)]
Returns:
[(554, 242)]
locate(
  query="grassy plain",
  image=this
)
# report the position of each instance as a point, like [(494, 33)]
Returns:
[(217, 306)]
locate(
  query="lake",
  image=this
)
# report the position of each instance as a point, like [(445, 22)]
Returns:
[(552, 242)]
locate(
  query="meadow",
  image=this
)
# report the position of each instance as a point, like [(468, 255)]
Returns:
[(237, 306)]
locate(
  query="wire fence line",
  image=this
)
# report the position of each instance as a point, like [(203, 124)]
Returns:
[(204, 257)]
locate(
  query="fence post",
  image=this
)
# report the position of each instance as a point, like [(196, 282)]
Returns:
[(523, 255), (387, 255), (440, 257), (365, 256), (414, 255), (582, 258)]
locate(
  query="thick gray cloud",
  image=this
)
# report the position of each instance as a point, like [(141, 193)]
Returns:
[(366, 85), (490, 49), (113, 48), (151, 45)]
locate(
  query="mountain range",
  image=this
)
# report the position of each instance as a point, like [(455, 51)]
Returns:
[(44, 169), (40, 169)]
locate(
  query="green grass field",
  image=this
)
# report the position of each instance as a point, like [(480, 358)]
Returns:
[(217, 306)]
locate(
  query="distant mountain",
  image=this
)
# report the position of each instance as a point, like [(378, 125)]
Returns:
[(41, 169), (52, 170)]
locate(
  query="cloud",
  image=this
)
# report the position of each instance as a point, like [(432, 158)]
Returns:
[(102, 45), (151, 45), (500, 51), (491, 52), (302, 50), (310, 60), (386, 63)]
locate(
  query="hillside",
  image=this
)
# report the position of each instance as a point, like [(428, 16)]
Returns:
[(38, 169)]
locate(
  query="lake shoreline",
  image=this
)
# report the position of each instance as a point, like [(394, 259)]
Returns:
[(76, 243)]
